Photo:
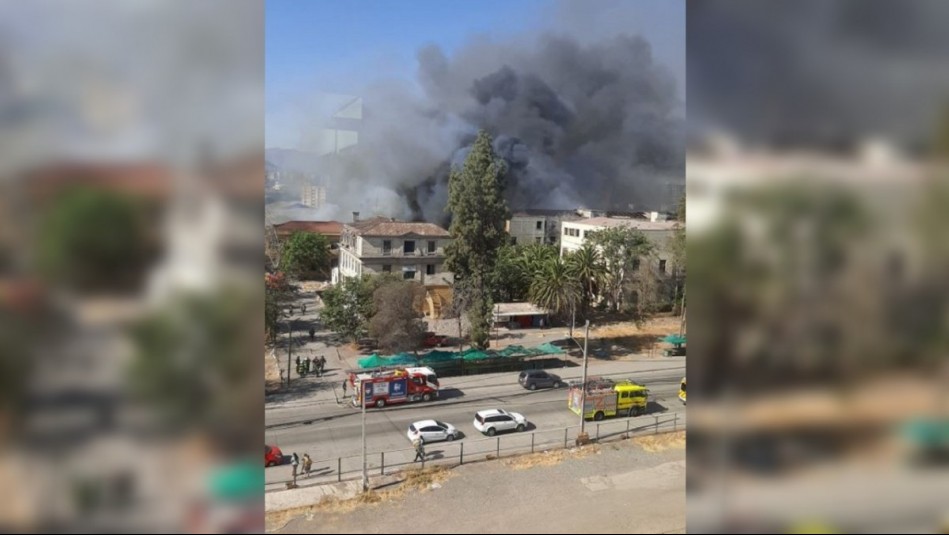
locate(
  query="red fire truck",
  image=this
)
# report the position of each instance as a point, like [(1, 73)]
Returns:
[(391, 386)]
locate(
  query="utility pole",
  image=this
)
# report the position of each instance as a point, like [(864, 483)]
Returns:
[(365, 472), (583, 391), (682, 320), (289, 346)]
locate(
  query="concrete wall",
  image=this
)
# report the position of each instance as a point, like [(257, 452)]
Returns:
[(524, 229)]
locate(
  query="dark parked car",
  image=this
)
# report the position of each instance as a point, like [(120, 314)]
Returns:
[(534, 379)]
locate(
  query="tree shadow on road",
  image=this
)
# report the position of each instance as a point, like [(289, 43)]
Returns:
[(653, 407), (450, 393), (299, 388)]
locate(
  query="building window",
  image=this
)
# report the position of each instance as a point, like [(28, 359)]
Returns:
[(566, 231), (430, 269), (408, 275), (387, 268), (540, 225), (431, 246), (408, 247), (662, 266), (387, 247)]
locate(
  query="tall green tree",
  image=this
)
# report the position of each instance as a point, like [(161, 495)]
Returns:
[(554, 288), (94, 240), (510, 280), (192, 360), (478, 212), (348, 306), (678, 247), (625, 250), (276, 294), (586, 267), (534, 258), (306, 254), (396, 322)]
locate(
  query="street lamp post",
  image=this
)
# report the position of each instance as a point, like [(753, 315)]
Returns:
[(365, 472), (682, 319), (583, 386), (289, 346)]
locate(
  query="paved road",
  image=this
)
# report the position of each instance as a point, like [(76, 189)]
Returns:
[(317, 425)]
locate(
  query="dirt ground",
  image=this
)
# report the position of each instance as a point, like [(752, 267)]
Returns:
[(615, 340), (598, 489)]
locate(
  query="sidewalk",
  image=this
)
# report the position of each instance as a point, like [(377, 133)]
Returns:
[(591, 490)]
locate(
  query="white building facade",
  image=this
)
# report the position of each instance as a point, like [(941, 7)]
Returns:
[(659, 233), (415, 251)]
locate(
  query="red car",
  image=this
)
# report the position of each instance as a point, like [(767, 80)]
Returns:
[(272, 456), (435, 340)]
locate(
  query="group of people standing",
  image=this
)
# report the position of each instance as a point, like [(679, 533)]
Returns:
[(318, 365)]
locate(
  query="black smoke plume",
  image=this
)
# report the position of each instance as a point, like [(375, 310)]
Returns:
[(595, 125)]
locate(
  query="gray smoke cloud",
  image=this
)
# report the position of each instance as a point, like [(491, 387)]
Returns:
[(597, 124), (818, 74)]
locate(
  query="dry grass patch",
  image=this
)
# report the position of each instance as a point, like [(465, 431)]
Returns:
[(657, 443), (414, 481), (549, 458), (626, 336)]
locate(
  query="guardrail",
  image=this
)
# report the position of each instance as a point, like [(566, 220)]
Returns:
[(456, 453)]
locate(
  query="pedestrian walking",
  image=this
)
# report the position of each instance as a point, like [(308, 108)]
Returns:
[(312, 334), (345, 383), (295, 464), (298, 362), (419, 444), (303, 308), (306, 364), (322, 364), (307, 464)]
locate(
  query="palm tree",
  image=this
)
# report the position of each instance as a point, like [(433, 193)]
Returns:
[(552, 287), (534, 259), (585, 267)]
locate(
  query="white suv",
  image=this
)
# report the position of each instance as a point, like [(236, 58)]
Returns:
[(491, 421)]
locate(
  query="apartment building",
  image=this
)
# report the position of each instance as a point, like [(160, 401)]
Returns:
[(660, 233)]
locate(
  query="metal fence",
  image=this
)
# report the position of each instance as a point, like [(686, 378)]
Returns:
[(456, 453)]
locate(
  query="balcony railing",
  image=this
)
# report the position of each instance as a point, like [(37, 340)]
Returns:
[(400, 253)]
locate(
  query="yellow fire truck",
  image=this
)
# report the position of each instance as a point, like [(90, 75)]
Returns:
[(606, 397)]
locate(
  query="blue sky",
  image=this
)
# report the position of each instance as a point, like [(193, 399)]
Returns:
[(316, 48)]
